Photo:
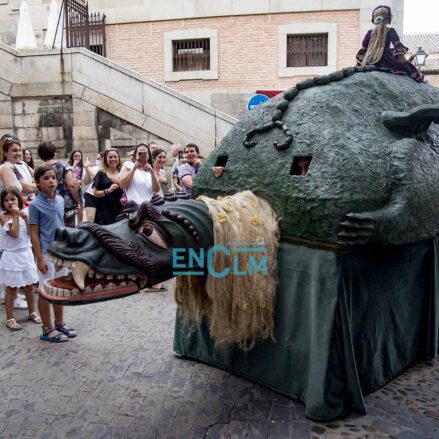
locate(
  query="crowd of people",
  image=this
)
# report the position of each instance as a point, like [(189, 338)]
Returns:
[(35, 201)]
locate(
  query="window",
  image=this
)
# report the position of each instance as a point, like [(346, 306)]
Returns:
[(307, 50), (191, 54)]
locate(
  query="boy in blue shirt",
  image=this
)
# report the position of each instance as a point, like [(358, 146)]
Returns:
[(45, 216)]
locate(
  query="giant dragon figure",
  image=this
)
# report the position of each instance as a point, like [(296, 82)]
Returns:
[(349, 162)]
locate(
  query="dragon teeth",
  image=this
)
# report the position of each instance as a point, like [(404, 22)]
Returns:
[(79, 271), (99, 275), (121, 276), (123, 284), (132, 276)]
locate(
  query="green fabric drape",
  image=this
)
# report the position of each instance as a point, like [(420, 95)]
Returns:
[(345, 324)]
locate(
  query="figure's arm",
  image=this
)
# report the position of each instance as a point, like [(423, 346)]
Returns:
[(71, 183), (24, 214), (127, 174), (175, 182), (34, 220), (88, 177), (188, 181), (28, 188), (154, 180), (364, 46), (100, 189), (12, 228), (9, 179), (398, 47), (162, 177), (35, 239)]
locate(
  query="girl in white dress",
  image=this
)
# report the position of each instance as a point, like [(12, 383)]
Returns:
[(17, 264)]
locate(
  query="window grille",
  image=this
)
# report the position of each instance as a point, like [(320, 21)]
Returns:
[(307, 50), (84, 29), (97, 33), (190, 55)]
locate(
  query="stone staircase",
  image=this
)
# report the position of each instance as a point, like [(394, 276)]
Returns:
[(80, 100)]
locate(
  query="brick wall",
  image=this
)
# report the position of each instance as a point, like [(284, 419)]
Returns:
[(247, 48)]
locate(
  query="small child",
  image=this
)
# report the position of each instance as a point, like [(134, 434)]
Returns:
[(17, 265), (45, 216)]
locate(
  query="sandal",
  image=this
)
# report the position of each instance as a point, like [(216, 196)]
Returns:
[(70, 332), (57, 338), (34, 317), (13, 325)]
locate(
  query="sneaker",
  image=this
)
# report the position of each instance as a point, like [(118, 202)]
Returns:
[(20, 302)]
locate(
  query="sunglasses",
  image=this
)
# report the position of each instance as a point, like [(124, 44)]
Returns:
[(10, 140)]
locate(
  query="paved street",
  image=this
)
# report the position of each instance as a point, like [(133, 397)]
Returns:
[(120, 379)]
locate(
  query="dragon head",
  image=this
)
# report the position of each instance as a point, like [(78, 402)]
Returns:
[(118, 260)]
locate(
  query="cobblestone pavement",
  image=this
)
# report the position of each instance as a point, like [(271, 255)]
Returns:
[(120, 379)]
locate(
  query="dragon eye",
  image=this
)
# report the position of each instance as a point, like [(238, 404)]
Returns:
[(151, 233)]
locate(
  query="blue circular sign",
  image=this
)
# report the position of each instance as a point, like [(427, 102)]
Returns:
[(256, 100)]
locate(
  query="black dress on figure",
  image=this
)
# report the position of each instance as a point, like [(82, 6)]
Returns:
[(109, 206)]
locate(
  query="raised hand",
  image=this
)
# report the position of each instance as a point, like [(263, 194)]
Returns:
[(113, 187), (15, 210)]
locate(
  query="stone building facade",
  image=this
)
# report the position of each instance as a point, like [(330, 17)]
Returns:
[(247, 41)]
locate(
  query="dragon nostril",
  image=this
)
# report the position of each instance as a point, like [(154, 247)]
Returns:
[(58, 234), (64, 235), (71, 236)]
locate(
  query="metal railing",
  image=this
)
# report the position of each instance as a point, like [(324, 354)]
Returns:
[(190, 55), (84, 29), (97, 41), (305, 50)]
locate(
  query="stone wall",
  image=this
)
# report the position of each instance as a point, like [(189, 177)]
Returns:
[(90, 103), (39, 119)]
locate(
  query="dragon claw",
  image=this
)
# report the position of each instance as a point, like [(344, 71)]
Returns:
[(356, 229)]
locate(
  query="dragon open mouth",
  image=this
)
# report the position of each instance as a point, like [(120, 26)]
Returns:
[(86, 285)]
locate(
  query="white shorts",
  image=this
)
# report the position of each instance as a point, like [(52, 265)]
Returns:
[(51, 273)]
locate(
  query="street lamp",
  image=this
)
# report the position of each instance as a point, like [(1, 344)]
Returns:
[(420, 57)]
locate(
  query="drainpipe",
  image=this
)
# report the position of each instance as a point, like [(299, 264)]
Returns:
[(62, 41)]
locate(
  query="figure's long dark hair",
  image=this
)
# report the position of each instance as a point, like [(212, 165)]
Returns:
[(13, 191), (147, 148), (105, 157), (80, 164), (31, 162), (6, 141)]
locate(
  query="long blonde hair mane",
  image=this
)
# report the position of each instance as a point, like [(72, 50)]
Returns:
[(377, 43)]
